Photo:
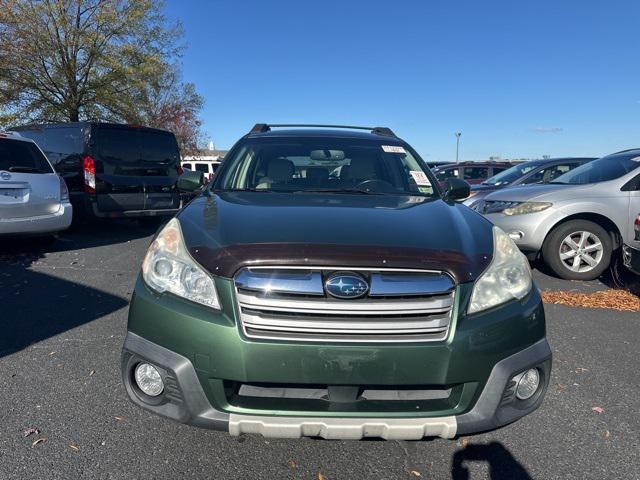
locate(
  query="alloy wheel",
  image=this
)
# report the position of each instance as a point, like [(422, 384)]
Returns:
[(581, 251)]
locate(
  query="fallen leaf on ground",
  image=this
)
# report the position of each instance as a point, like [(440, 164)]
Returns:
[(31, 431), (40, 440), (292, 464), (464, 441), (92, 372), (598, 409), (73, 446), (612, 299), (415, 473), (321, 476), (581, 370), (52, 353), (607, 434), (561, 386), (119, 419)]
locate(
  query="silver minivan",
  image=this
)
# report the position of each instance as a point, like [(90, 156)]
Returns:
[(34, 200)]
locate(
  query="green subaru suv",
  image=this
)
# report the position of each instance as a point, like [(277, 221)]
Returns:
[(324, 285)]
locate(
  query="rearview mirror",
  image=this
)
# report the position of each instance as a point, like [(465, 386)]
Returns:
[(327, 155), (456, 189), (190, 181)]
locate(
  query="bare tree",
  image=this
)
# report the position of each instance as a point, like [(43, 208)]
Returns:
[(166, 102)]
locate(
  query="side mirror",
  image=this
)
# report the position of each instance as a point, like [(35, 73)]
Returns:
[(456, 189), (190, 181)]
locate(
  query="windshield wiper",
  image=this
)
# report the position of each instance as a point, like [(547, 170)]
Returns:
[(23, 169), (339, 190), (557, 183), (242, 190)]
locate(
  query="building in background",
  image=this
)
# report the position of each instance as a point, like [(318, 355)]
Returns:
[(206, 161)]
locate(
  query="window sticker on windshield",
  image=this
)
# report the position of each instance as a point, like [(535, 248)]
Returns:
[(393, 149), (420, 177)]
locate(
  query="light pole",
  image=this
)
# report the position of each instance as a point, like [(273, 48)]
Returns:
[(457, 144)]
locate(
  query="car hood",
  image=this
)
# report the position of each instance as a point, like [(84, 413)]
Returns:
[(486, 188), (545, 192), (230, 230)]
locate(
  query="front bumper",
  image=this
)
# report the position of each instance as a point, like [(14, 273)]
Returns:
[(202, 354), (88, 205), (184, 400), (41, 224), (528, 231), (631, 258)]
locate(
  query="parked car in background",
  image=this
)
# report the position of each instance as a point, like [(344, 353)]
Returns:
[(471, 172), (527, 173), (575, 221), (437, 163), (113, 170), (290, 302), (207, 167), (631, 249), (34, 200)]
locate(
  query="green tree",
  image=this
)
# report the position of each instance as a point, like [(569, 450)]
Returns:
[(71, 60)]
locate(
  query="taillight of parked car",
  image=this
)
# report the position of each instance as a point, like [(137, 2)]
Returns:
[(64, 191), (179, 169), (89, 169), (636, 226)]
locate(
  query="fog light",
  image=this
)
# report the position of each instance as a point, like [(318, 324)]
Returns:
[(148, 379), (528, 384)]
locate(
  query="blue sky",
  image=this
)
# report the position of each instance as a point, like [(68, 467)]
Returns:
[(518, 79)]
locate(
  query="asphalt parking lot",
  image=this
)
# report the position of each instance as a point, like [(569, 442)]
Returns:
[(63, 310)]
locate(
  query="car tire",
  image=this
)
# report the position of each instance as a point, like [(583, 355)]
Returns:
[(587, 241)]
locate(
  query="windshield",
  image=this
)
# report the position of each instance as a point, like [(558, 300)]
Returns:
[(601, 170), (22, 157), (512, 174), (324, 164)]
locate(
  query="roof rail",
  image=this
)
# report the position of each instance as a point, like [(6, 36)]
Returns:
[(264, 127), (9, 133)]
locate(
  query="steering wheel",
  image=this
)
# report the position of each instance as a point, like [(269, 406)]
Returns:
[(376, 185)]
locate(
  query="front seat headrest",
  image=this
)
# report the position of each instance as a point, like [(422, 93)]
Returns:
[(280, 170), (317, 174), (362, 168)]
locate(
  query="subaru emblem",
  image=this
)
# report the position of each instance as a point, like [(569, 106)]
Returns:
[(346, 285), (5, 175)]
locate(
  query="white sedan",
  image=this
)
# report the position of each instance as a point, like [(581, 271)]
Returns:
[(33, 198)]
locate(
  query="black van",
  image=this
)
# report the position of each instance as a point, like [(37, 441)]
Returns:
[(113, 170)]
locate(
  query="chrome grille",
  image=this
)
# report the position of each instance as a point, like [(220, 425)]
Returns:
[(291, 304)]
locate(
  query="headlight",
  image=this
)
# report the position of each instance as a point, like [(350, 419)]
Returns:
[(527, 207), (168, 267), (507, 278)]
